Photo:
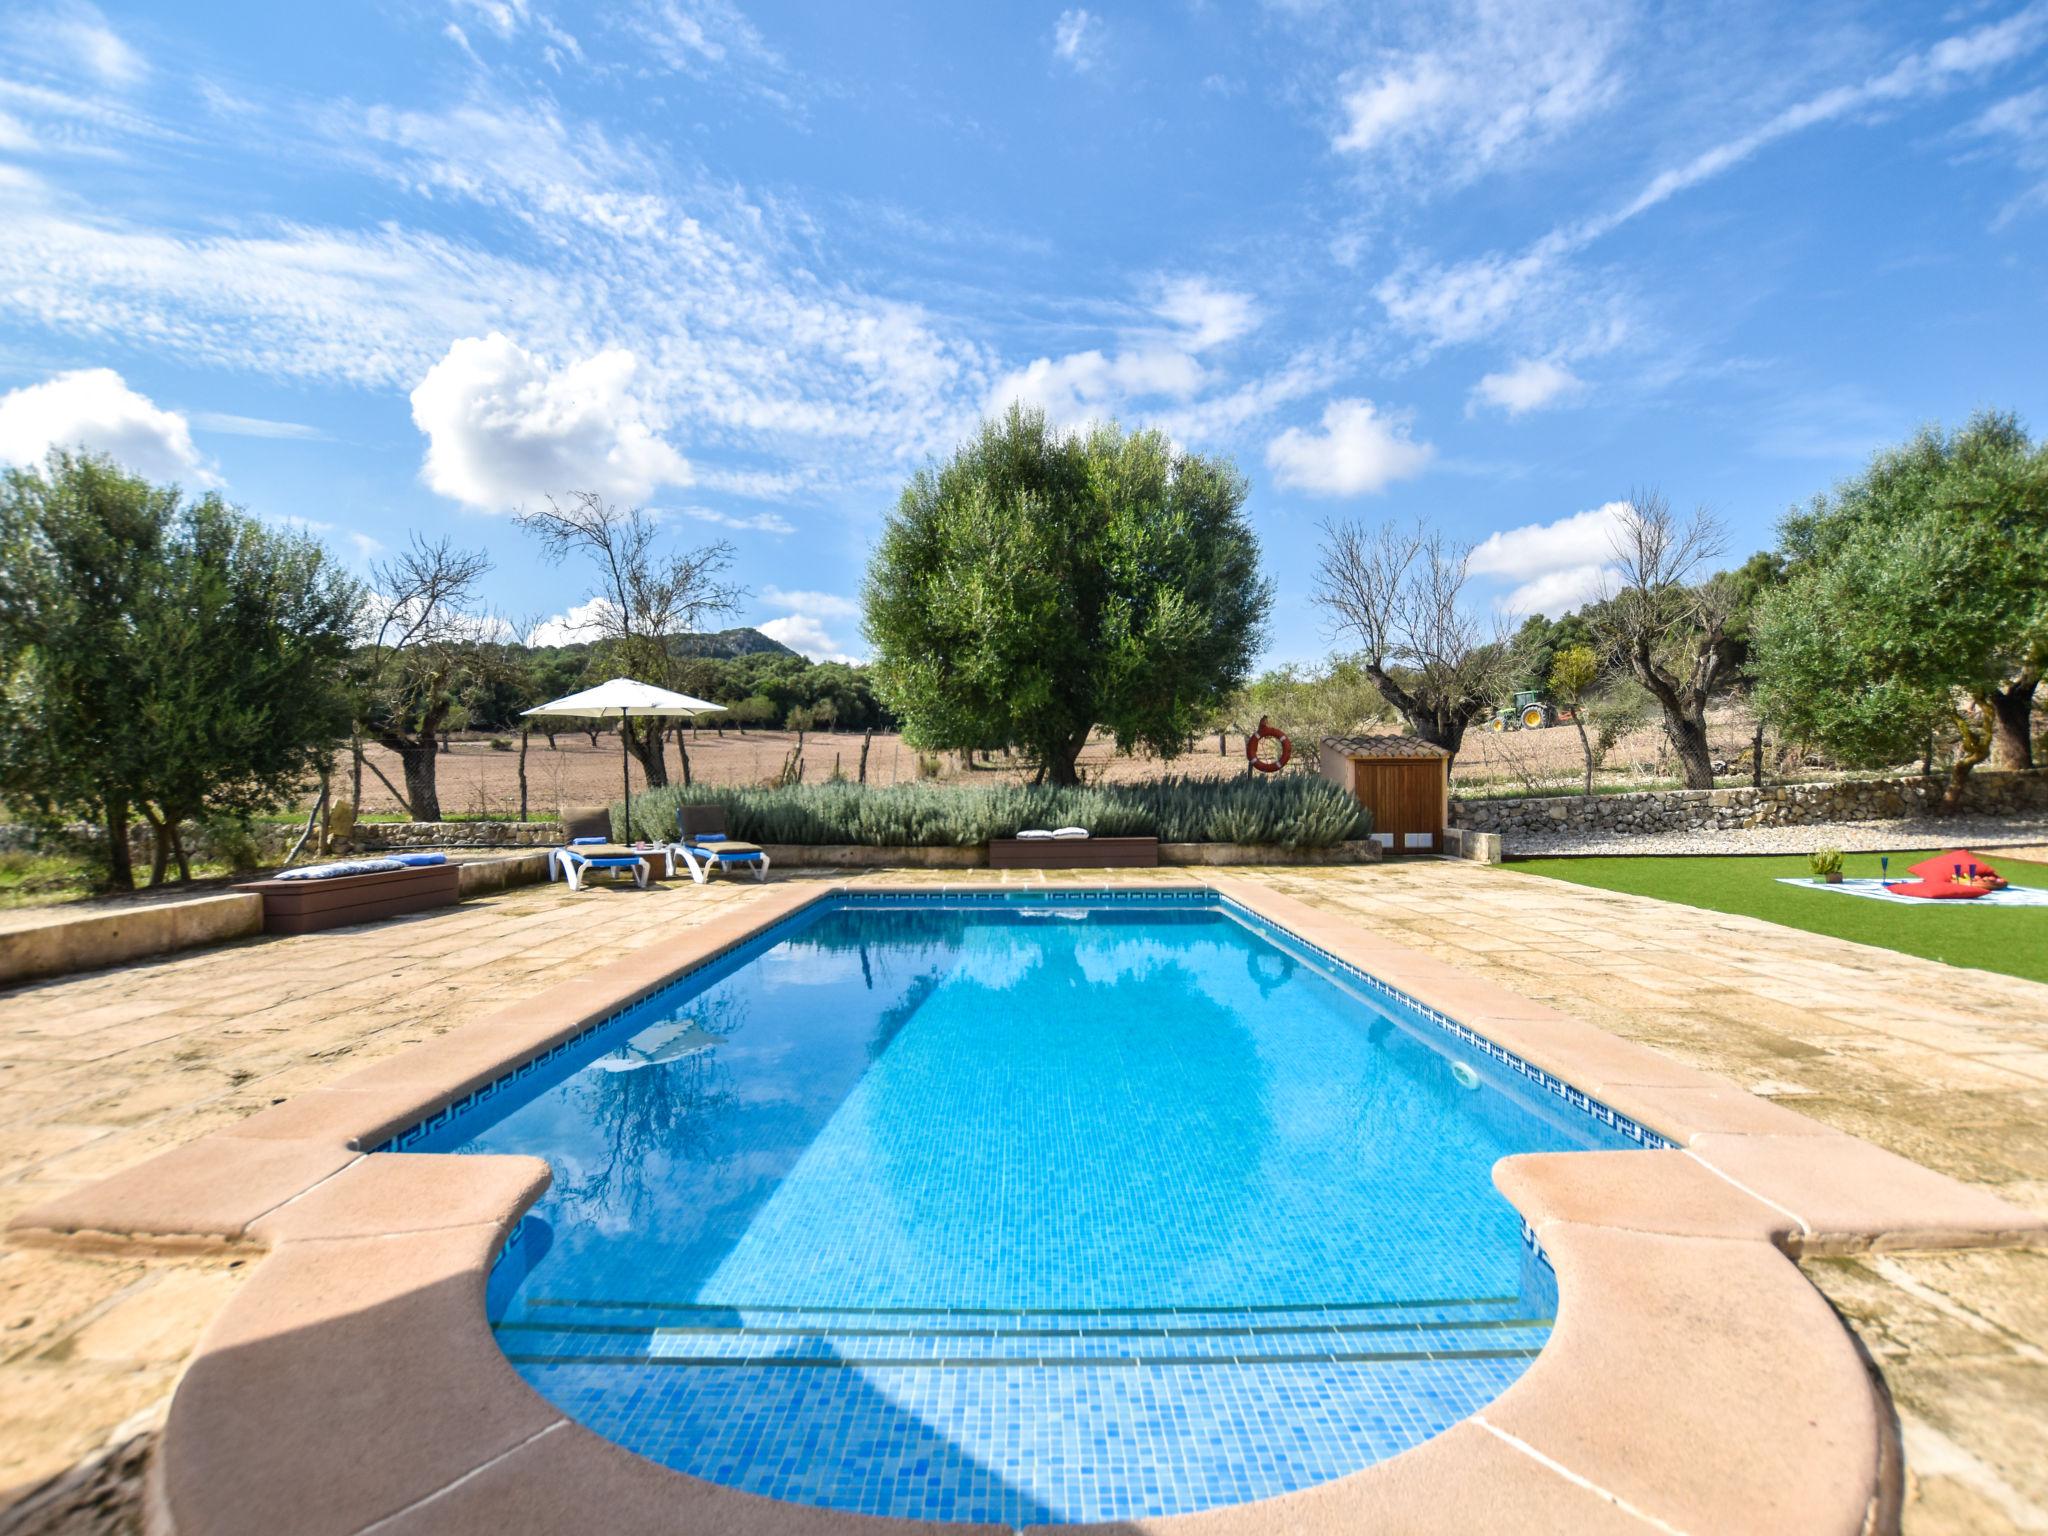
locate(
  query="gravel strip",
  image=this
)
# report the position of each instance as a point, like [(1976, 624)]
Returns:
[(1978, 832)]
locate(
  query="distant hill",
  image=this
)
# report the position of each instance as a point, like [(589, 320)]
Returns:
[(728, 643), (721, 645)]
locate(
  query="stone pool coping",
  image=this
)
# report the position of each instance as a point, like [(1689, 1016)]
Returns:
[(1694, 1380)]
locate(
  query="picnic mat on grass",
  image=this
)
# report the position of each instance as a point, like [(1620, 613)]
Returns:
[(1874, 890)]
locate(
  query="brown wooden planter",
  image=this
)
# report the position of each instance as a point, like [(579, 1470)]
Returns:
[(1073, 853), (307, 906)]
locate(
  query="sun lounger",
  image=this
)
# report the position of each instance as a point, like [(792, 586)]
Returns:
[(581, 857), (704, 846)]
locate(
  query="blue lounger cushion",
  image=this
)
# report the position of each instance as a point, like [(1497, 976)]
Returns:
[(420, 860), (336, 871)]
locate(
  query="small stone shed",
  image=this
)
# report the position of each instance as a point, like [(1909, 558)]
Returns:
[(1403, 780)]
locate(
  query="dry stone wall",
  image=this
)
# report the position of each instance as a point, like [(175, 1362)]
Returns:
[(1722, 810)]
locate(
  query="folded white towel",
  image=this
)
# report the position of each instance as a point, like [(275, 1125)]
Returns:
[(1069, 832), (1034, 835)]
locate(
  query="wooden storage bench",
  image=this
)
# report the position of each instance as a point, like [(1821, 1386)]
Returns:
[(307, 906), (1073, 853)]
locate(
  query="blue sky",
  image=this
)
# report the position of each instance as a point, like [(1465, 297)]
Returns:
[(401, 267)]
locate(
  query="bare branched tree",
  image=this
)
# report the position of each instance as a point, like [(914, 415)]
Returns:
[(1400, 594), (1666, 619), (424, 646), (644, 596)]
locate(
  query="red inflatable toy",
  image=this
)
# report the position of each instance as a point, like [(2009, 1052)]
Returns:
[(1253, 743), (1958, 875)]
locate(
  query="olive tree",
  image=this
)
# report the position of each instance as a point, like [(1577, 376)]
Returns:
[(424, 650), (1400, 593), (644, 598), (1042, 583), (1574, 674), (1667, 620), (1915, 604), (162, 660)]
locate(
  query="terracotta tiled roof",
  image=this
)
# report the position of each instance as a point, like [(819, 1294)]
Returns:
[(1384, 746)]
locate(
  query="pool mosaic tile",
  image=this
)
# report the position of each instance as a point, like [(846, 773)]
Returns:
[(1023, 1208)]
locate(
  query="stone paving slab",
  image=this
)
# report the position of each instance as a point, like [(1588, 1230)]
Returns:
[(176, 1047)]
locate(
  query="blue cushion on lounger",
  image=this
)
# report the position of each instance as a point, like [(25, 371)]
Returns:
[(420, 860), (336, 871)]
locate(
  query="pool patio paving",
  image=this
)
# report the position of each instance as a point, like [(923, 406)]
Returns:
[(1947, 1067)]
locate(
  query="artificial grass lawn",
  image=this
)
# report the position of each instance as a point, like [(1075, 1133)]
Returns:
[(2012, 940)]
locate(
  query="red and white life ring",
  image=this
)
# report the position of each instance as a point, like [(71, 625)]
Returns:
[(1267, 731)]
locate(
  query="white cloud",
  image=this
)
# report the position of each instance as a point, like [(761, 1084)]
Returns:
[(1210, 315), (1557, 593), (595, 240), (804, 627), (2020, 124), (1529, 385), (825, 605), (1556, 566), (1469, 299), (1584, 538), (1151, 364), (81, 30), (255, 426), (1462, 301), (95, 409), (366, 548), (758, 522), (504, 427), (1486, 83), (1077, 39), (689, 35), (1358, 452), (1086, 386), (800, 632), (583, 623)]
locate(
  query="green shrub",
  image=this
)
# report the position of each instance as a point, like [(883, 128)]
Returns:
[(1825, 862), (1291, 812)]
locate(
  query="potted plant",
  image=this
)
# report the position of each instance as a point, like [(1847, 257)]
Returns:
[(1827, 865)]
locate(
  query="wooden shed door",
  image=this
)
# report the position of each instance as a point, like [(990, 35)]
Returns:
[(1406, 800)]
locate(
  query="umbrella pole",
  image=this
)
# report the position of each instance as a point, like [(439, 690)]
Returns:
[(626, 775)]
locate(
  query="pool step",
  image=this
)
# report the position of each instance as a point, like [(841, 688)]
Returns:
[(562, 1332)]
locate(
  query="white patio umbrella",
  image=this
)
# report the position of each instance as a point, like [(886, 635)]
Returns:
[(617, 700)]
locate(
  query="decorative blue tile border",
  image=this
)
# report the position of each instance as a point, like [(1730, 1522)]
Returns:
[(1576, 1098)]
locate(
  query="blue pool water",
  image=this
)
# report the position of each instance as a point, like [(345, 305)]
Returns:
[(1022, 1211)]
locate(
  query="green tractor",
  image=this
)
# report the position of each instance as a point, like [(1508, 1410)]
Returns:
[(1529, 712)]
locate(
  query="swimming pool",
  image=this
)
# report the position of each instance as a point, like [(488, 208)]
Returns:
[(1067, 1206)]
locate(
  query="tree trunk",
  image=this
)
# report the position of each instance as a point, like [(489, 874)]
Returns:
[(1061, 765), (1689, 741), (2012, 714), (355, 798), (120, 866), (1756, 757), (178, 852), (646, 744), (1585, 745), (866, 742), (1973, 745), (683, 751), (422, 794), (525, 735), (160, 850)]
